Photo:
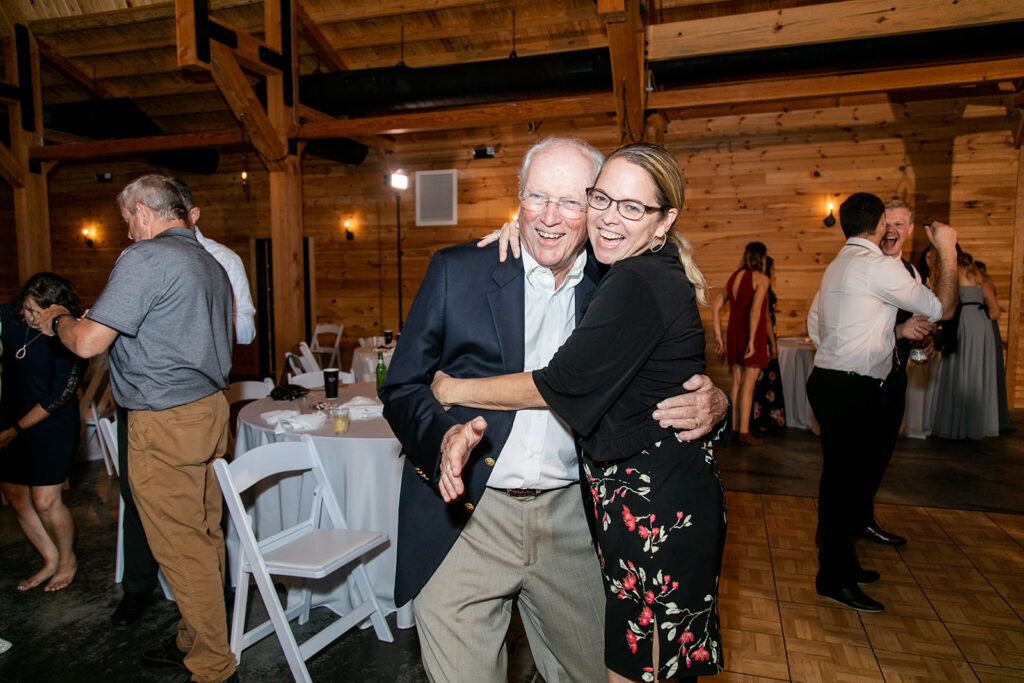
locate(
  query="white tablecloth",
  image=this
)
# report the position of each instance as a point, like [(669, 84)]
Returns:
[(796, 360), (363, 465), (364, 362)]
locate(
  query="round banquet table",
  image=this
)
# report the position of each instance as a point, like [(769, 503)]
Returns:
[(364, 466), (796, 360), (364, 361)]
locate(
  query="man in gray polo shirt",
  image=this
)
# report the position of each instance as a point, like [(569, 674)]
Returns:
[(166, 313)]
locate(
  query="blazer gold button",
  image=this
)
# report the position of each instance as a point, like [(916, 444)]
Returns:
[(468, 506), (489, 462)]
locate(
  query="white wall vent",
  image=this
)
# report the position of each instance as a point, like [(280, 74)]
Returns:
[(436, 197)]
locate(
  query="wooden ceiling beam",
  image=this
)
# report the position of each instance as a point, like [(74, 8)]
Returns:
[(234, 85), (11, 169), (502, 113), (99, 149), (767, 90), (69, 69), (821, 23), (317, 41), (160, 11), (355, 11), (626, 47)]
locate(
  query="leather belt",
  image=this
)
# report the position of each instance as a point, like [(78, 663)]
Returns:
[(523, 493)]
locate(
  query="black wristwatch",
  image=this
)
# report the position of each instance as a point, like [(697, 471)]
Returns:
[(53, 323)]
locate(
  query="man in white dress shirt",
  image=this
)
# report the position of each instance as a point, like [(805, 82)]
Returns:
[(851, 322), (245, 312)]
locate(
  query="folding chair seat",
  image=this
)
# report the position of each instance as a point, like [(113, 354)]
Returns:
[(317, 546), (309, 380), (248, 390)]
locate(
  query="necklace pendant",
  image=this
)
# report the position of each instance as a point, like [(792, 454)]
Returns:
[(20, 353)]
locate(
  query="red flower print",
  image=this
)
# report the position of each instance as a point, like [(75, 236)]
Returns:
[(667, 578), (675, 585), (679, 515), (622, 594), (631, 639), (645, 617), (700, 654), (629, 564), (654, 531), (629, 519), (652, 519), (629, 470), (629, 582), (687, 637), (649, 597), (644, 532)]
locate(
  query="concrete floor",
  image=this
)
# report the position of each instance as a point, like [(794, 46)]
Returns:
[(66, 636)]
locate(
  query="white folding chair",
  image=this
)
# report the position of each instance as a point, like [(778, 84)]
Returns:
[(248, 390), (308, 360), (107, 429), (309, 380), (333, 351), (346, 377), (312, 549), (96, 402), (293, 364)]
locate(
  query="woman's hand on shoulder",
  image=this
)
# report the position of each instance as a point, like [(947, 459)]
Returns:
[(507, 236)]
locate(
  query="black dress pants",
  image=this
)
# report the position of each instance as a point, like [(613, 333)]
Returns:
[(894, 403), (848, 408), (140, 568)]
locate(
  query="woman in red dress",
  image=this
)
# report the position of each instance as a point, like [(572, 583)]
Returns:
[(747, 341)]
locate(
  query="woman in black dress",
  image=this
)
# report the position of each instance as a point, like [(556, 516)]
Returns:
[(657, 502), (39, 426)]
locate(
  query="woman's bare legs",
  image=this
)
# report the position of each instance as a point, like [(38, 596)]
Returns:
[(56, 517), (20, 498), (734, 396), (748, 380)]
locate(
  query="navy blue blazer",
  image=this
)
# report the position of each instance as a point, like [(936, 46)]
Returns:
[(468, 320)]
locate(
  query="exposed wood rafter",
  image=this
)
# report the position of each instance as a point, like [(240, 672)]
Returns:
[(822, 23), (65, 65), (317, 40), (842, 84)]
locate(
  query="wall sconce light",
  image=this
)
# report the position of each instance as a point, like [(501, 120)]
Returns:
[(515, 215), (349, 235), (87, 235), (830, 220), (399, 180)]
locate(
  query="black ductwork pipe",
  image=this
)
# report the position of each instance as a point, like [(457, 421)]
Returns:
[(399, 88), (1000, 40)]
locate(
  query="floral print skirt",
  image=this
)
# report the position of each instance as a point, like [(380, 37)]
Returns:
[(659, 521)]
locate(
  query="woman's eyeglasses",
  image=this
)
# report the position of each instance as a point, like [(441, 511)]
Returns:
[(629, 209)]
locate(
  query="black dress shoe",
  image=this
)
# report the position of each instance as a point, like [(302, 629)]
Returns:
[(877, 534), (130, 610), (866, 576), (853, 597), (166, 656)]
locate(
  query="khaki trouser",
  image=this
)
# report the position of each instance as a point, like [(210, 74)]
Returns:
[(170, 468), (538, 551)]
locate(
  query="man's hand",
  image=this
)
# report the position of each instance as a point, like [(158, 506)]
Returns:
[(915, 328), (46, 318), (456, 446), (696, 413), (942, 237)]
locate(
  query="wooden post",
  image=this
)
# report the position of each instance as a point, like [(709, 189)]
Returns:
[(626, 47), (1016, 288), (31, 202)]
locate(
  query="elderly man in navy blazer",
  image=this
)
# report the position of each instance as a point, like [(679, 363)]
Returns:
[(519, 533)]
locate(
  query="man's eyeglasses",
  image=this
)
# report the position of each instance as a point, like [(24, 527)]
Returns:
[(569, 208), (629, 209)]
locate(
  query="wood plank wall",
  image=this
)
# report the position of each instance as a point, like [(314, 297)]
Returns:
[(753, 173)]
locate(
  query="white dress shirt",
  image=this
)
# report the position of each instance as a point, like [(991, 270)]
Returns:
[(540, 452), (245, 312), (852, 316)]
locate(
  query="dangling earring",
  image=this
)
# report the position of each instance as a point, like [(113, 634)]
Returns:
[(664, 238)]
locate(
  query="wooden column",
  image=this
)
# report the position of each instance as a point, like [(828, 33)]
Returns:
[(31, 202), (285, 186), (626, 47), (1016, 288)]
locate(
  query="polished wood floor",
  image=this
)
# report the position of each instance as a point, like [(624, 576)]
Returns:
[(954, 597)]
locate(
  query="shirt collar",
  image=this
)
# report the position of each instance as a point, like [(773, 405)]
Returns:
[(537, 275), (862, 242)]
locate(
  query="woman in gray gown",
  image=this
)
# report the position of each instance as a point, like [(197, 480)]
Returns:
[(967, 404)]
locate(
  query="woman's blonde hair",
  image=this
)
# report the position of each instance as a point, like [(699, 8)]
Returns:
[(670, 186)]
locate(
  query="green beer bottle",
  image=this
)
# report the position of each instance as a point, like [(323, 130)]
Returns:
[(382, 372)]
